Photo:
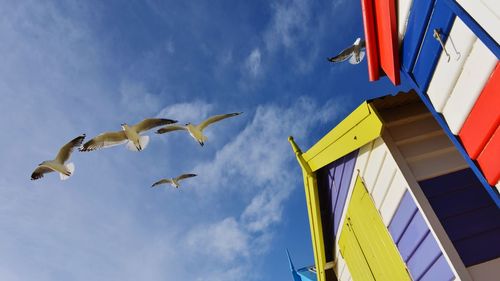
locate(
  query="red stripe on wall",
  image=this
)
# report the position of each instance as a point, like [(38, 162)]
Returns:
[(489, 159), (484, 117)]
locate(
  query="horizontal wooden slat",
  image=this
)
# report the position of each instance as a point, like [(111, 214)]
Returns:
[(437, 164), (486, 13), (476, 72), (447, 70)]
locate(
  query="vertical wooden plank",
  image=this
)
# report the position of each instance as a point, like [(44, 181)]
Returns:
[(447, 71), (374, 239), (484, 117), (417, 24), (387, 36), (403, 13), (371, 40), (489, 159), (476, 72), (441, 20), (386, 176), (373, 166)]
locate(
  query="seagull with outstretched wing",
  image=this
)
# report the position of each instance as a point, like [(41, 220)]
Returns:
[(59, 163), (196, 131), (131, 135), (174, 181), (355, 53)]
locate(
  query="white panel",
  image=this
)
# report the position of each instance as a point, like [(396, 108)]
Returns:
[(403, 13), (343, 271), (476, 72), (498, 186), (394, 196), (446, 74), (485, 271), (384, 180), (374, 164), (437, 164), (486, 13)]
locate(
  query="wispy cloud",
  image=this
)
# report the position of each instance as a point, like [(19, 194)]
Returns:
[(253, 63)]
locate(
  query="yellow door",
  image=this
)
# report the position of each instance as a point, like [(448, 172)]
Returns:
[(365, 242)]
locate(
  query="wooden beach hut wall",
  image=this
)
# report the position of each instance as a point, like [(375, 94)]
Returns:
[(391, 198), (449, 50)]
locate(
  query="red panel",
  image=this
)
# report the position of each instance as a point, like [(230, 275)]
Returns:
[(370, 39), (387, 33), (489, 159), (484, 117)]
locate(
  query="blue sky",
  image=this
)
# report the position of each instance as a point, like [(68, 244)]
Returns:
[(73, 67)]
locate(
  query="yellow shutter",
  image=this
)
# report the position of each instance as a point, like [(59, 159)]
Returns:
[(365, 230)]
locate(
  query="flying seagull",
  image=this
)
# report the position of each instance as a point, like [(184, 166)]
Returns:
[(355, 53), (128, 134), (58, 164), (174, 181), (196, 131)]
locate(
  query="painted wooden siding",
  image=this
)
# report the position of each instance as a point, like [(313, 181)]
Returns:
[(484, 117), (333, 186), (489, 159), (416, 243), (486, 13), (364, 227), (425, 147), (417, 22), (477, 70), (467, 213), (403, 14), (447, 71), (430, 50)]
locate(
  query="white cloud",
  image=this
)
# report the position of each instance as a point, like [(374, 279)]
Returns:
[(253, 62), (290, 24), (223, 240), (193, 112)]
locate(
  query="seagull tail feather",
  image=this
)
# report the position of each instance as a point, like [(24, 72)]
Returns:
[(71, 168)]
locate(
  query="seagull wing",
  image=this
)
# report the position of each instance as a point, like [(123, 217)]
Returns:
[(68, 148), (40, 171), (150, 123), (162, 181), (170, 128), (344, 55), (104, 140), (216, 118), (185, 176)]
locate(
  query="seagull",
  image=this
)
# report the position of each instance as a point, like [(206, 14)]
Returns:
[(196, 131), (58, 164), (355, 53), (174, 181), (128, 134)]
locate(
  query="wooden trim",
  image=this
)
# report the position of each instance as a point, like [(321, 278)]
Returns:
[(371, 40)]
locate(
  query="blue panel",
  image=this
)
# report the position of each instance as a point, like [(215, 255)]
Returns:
[(402, 217), (415, 29), (439, 271), (424, 257), (468, 214), (441, 19), (479, 248), (413, 236), (480, 220), (333, 185), (344, 180)]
